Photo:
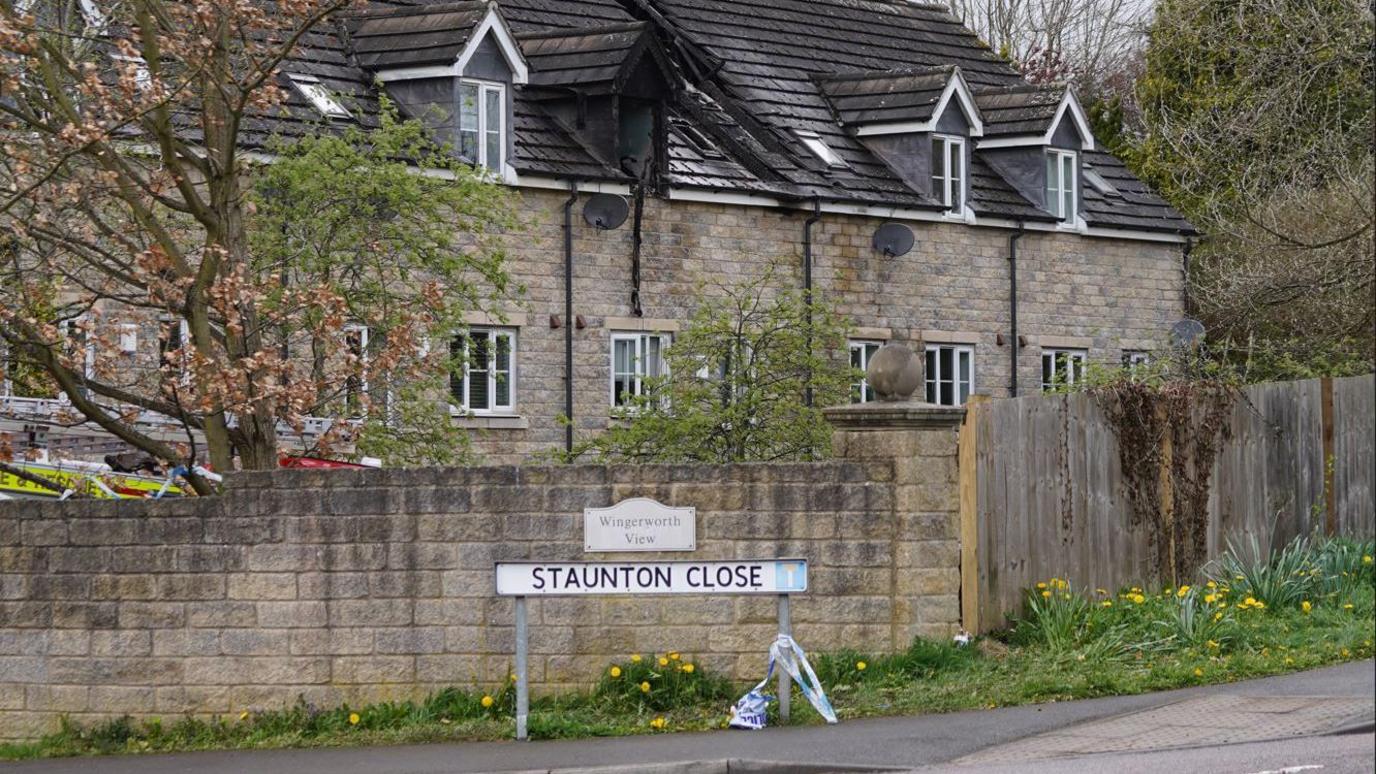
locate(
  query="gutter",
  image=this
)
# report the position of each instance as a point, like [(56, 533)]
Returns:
[(568, 314), (1013, 308)]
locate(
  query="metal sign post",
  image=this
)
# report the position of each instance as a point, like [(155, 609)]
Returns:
[(523, 579)]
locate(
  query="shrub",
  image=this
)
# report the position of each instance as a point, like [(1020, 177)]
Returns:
[(660, 683), (1194, 622), (1282, 579)]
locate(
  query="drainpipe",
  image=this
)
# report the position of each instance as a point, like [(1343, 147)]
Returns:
[(807, 285), (1185, 263), (1013, 308), (568, 314)]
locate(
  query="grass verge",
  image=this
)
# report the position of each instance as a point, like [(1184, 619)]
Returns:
[(1306, 606)]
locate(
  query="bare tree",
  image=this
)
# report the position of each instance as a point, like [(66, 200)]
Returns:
[(1059, 39)]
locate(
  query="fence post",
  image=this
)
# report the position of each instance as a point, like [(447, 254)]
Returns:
[(966, 467), (1330, 495), (1166, 489)]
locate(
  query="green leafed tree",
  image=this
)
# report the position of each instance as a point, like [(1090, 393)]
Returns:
[(1258, 126), (737, 382)]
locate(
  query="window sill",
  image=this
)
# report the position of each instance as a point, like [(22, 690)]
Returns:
[(492, 421)]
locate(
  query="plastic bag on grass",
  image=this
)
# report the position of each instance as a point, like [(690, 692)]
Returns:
[(749, 712)]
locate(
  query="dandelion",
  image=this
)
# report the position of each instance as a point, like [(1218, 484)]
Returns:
[(1240, 577), (673, 657), (663, 661), (688, 668), (1213, 644), (1101, 592), (1345, 652), (1046, 594), (658, 723), (616, 671), (1289, 661), (243, 715), (353, 718), (1107, 603), (1366, 559), (860, 665), (635, 658), (1198, 672), (645, 687), (513, 677), (1218, 616), (1138, 598), (1182, 591), (1210, 598), (1211, 585), (1041, 585), (1348, 606), (1306, 606), (488, 701)]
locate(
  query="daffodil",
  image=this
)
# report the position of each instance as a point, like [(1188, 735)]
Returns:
[(616, 671), (353, 718), (488, 701)]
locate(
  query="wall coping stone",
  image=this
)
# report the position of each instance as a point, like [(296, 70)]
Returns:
[(880, 415)]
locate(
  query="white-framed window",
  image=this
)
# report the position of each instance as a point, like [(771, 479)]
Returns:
[(860, 353), (819, 147), (1061, 189), (482, 123), (1133, 358), (950, 374), (484, 377), (636, 358), (1061, 367), (948, 171), (318, 95), (355, 382)]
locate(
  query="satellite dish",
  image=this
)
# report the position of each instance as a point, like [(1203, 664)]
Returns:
[(893, 239), (606, 211), (1187, 333)]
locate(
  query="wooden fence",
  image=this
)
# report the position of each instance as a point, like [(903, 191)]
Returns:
[(1043, 492)]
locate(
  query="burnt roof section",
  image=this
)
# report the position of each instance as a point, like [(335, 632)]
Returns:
[(887, 96), (1018, 110), (594, 60), (392, 38)]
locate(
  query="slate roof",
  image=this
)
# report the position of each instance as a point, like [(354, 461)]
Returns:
[(390, 38), (755, 72), (885, 97), (1018, 110), (593, 59)]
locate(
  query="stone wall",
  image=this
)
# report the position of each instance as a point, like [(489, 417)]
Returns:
[(1101, 295), (378, 584)]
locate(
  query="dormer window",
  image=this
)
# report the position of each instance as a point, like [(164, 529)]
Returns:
[(819, 147), (1061, 188), (319, 96), (948, 172), (481, 123)]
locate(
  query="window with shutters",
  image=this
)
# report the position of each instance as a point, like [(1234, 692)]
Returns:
[(484, 377)]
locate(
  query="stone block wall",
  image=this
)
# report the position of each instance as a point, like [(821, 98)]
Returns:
[(367, 585)]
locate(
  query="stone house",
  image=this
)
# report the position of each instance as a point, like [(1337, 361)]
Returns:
[(916, 181)]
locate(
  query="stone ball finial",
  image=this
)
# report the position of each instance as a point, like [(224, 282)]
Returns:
[(894, 372)]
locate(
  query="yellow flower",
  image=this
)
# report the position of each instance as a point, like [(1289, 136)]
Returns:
[(635, 659), (513, 677), (1101, 592), (860, 665), (1211, 584), (353, 718), (645, 687), (1239, 577), (1348, 606), (1041, 585), (1046, 594), (689, 668), (663, 661), (1209, 598), (1305, 606), (488, 701), (673, 657), (1258, 604), (1182, 591), (1366, 559), (616, 671), (1136, 590), (1289, 660), (658, 723), (1107, 603), (1198, 672), (1138, 598), (1345, 652), (1218, 616), (1249, 601), (243, 715)]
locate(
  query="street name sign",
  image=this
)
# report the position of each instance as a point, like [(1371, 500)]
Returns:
[(640, 524), (768, 576)]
